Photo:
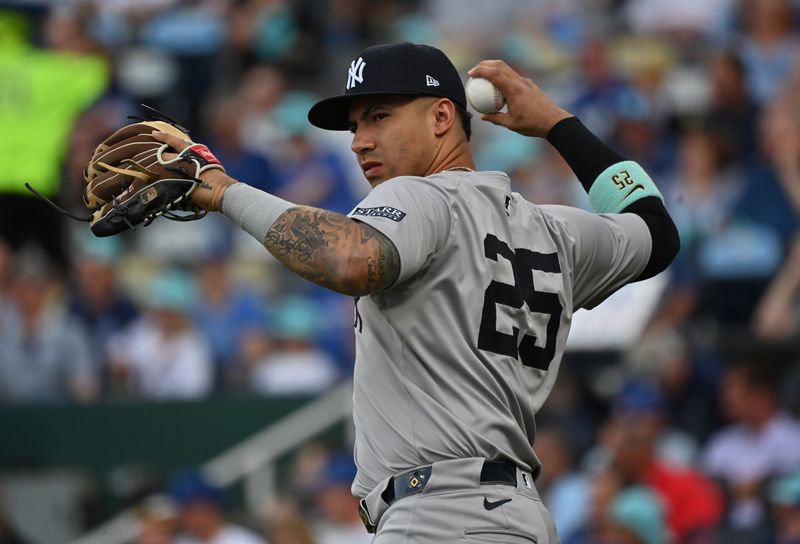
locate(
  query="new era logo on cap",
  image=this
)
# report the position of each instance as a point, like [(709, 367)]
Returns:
[(356, 73), (430, 82)]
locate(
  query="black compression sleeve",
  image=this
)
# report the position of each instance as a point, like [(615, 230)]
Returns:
[(586, 154), (588, 157)]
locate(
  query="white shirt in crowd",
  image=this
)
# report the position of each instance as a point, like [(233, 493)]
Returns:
[(328, 533), (229, 534), (177, 367), (293, 372)]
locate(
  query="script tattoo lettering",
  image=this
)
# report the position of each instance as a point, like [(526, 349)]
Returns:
[(281, 245), (333, 250)]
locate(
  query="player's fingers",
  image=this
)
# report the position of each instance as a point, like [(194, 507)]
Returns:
[(495, 71), (499, 118), (171, 140), (491, 73), (491, 64), (501, 75)]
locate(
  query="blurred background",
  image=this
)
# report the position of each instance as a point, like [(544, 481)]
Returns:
[(175, 384)]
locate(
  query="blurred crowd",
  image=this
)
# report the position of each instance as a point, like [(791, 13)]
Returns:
[(689, 436)]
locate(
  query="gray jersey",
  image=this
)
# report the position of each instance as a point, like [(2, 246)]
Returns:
[(457, 357)]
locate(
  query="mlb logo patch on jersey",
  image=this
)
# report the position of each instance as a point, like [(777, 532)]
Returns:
[(381, 211)]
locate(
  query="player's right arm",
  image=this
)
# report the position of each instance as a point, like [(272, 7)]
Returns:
[(635, 238)]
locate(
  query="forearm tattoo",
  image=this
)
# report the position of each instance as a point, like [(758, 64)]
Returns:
[(333, 250)]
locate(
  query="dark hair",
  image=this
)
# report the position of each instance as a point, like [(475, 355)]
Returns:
[(759, 373), (466, 118)]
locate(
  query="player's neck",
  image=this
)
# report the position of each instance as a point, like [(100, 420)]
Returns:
[(457, 158), (457, 169)]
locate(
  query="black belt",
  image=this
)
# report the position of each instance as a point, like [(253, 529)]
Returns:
[(415, 480)]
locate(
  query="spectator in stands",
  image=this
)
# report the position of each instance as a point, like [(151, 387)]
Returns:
[(227, 314), (601, 88), (644, 404), (162, 355), (701, 195), (201, 513), (566, 491), (309, 173), (636, 515), (308, 467), (223, 128), (285, 525), (605, 485), (96, 298), (259, 90), (192, 34), (777, 315), (44, 353), (45, 88), (6, 257), (339, 521), (784, 495), (157, 520), (7, 533), (639, 130), (770, 197), (768, 45), (693, 22), (733, 115), (761, 442), (693, 504), (267, 29), (295, 365), (686, 378)]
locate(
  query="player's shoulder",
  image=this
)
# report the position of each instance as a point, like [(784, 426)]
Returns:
[(461, 178), (450, 179), (414, 191)]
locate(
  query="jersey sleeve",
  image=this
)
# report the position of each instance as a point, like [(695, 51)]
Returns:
[(414, 214), (607, 251)]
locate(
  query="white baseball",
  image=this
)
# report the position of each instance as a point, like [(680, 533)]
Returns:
[(483, 96)]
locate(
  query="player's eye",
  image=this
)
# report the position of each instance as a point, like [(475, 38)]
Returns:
[(379, 116), (352, 128)]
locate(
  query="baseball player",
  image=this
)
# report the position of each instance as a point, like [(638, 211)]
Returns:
[(465, 290)]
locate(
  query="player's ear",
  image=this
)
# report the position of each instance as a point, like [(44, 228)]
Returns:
[(444, 112)]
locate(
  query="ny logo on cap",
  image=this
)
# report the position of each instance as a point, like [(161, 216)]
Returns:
[(431, 82), (356, 73)]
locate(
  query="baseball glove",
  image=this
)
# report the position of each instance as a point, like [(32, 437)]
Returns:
[(131, 181)]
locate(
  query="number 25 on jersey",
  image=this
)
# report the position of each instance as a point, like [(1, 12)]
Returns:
[(523, 292)]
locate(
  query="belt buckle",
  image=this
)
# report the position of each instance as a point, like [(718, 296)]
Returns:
[(366, 519)]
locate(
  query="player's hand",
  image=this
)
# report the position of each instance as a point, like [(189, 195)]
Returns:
[(529, 111), (208, 195)]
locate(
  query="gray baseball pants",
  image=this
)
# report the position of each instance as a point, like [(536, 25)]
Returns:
[(455, 507)]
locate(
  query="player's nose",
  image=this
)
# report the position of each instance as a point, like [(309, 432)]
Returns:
[(362, 142)]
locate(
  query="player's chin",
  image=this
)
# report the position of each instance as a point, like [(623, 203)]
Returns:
[(374, 178)]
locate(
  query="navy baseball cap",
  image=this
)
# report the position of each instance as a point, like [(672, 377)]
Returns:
[(392, 69)]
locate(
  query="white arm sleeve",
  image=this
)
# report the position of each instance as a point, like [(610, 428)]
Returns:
[(414, 214), (607, 250)]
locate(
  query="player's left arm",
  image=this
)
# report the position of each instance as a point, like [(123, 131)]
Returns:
[(333, 251), (327, 248)]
